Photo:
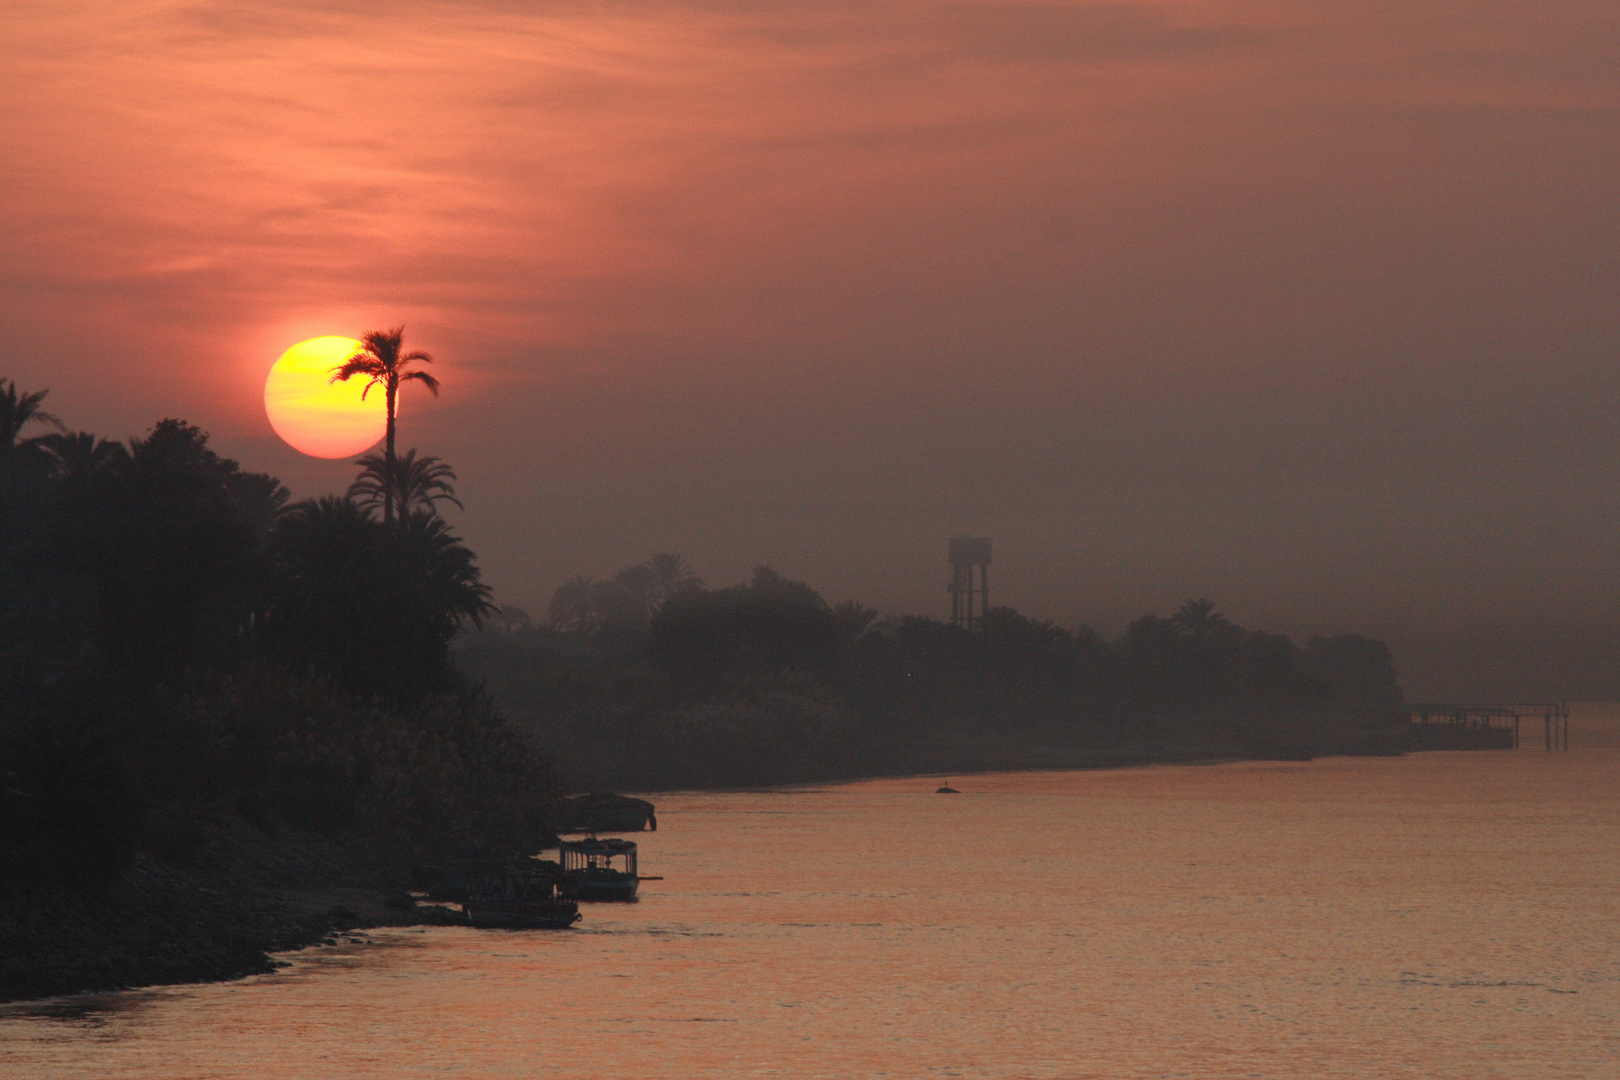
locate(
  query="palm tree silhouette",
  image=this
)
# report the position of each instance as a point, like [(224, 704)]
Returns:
[(376, 605), (671, 574), (80, 456), (17, 410), (573, 605), (452, 576), (1199, 619), (416, 482), (630, 591), (854, 619), (382, 360)]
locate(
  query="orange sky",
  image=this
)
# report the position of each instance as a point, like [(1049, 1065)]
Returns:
[(1307, 307)]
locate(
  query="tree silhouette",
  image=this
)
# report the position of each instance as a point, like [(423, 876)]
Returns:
[(510, 619), (626, 601), (417, 483), (854, 619), (371, 604), (382, 359), (80, 456), (669, 574), (23, 463), (17, 411), (1199, 619), (172, 534), (573, 605), (772, 624), (637, 592), (446, 567), (1357, 669)]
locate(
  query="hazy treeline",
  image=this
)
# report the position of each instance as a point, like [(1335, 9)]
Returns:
[(650, 680), (178, 640)]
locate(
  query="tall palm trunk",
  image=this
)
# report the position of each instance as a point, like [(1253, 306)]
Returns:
[(380, 359), (388, 486)]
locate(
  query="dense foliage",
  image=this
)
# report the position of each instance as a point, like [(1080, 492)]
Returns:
[(178, 639)]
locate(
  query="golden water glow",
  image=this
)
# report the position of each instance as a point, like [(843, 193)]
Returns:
[(314, 415), (1039, 926)]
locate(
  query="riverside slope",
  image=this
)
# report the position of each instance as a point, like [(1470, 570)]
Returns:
[(214, 911)]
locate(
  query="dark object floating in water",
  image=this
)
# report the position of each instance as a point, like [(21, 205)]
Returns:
[(600, 812), (589, 873), (519, 902), (946, 789)]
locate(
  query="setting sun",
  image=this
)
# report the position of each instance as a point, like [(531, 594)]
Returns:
[(314, 415)]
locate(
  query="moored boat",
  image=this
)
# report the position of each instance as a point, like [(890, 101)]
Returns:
[(519, 902), (594, 869), (600, 812)]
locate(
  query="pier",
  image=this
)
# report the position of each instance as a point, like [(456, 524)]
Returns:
[(1554, 717)]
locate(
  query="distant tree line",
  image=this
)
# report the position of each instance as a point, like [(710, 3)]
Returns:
[(649, 679), (179, 638)]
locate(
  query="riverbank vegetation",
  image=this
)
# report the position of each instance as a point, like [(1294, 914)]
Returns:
[(186, 653), (649, 680)]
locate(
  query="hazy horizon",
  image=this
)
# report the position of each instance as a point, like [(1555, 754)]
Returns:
[(1310, 309)]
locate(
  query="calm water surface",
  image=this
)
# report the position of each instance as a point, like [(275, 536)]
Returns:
[(1441, 915)]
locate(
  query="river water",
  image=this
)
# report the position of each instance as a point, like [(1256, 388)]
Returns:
[(1438, 915)]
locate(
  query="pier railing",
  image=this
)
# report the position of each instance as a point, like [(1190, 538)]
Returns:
[(1554, 717)]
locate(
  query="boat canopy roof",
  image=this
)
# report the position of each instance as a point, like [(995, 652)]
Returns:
[(592, 846)]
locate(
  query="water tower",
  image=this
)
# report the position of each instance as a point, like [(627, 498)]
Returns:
[(967, 554)]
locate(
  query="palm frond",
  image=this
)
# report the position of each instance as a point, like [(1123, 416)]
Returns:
[(358, 364), (18, 410), (671, 574), (418, 483), (81, 455), (424, 378)]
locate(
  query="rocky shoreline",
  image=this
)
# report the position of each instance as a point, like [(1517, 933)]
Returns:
[(216, 914)]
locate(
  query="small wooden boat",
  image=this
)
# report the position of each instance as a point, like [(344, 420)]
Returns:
[(519, 902), (946, 789), (595, 869)]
